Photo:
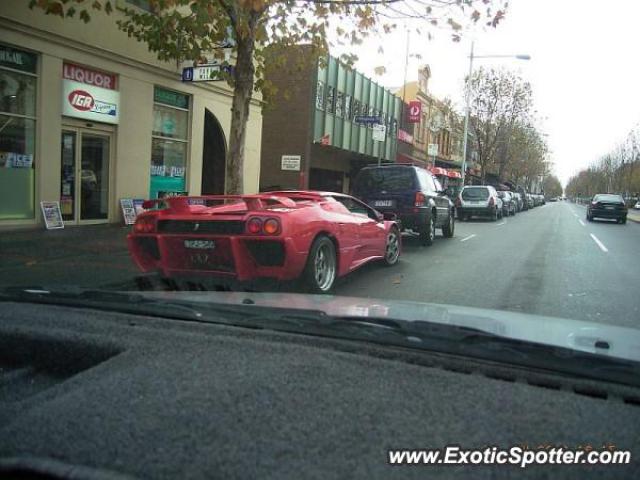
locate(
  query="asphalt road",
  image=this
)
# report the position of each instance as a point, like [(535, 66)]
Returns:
[(545, 261)]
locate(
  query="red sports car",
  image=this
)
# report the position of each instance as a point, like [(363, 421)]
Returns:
[(316, 236)]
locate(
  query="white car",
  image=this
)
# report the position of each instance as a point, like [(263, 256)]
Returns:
[(637, 205)]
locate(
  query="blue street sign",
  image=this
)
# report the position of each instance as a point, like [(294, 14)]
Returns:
[(367, 119), (205, 73)]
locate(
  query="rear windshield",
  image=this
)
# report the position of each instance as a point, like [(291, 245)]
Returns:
[(475, 193), (608, 198), (389, 179)]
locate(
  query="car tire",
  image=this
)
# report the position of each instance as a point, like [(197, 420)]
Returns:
[(321, 270), (623, 221), (589, 218), (391, 253), (428, 232), (449, 229), (494, 216)]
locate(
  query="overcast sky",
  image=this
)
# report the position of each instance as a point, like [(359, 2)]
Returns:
[(585, 69)]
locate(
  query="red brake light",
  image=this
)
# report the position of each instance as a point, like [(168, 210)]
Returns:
[(491, 202), (458, 202), (420, 200), (271, 226), (144, 225), (254, 226)]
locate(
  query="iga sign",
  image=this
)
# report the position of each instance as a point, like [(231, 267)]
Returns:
[(415, 109), (81, 100)]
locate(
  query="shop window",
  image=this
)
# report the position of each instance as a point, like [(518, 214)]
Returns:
[(170, 139), (339, 104), (320, 95), (347, 107), (356, 108), (330, 99), (18, 82)]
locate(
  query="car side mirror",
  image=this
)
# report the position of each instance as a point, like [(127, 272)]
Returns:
[(390, 216), (379, 216)]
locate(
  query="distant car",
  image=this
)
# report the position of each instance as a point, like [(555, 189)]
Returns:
[(523, 196), (517, 197), (530, 202), (637, 205), (553, 199), (412, 193), (508, 203), (316, 237), (479, 201), (607, 206)]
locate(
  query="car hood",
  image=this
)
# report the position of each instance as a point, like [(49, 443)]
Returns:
[(578, 335)]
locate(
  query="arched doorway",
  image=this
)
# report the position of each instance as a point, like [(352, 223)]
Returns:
[(214, 154)]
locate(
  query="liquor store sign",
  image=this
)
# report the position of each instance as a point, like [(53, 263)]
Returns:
[(90, 94)]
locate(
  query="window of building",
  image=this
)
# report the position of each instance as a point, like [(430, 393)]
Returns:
[(331, 97), (18, 83), (320, 95), (169, 143), (347, 107), (339, 103)]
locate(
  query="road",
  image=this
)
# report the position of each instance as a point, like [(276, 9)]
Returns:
[(545, 261)]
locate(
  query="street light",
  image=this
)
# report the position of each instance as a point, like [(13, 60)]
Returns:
[(467, 107)]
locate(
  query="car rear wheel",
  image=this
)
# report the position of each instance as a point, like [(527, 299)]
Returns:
[(623, 221), (321, 269), (589, 218), (494, 216), (428, 232), (392, 249), (449, 228)]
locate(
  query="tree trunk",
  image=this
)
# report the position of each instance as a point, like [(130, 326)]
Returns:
[(242, 92)]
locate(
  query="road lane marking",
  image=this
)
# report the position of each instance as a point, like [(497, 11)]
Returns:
[(599, 243), (468, 238), (498, 224), (575, 215), (581, 223)]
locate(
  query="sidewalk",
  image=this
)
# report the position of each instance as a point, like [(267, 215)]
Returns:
[(87, 256), (633, 215)]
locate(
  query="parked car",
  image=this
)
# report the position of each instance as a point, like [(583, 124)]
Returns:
[(530, 202), (637, 205), (523, 197), (508, 203), (517, 197), (314, 236), (413, 194), (479, 201), (607, 206)]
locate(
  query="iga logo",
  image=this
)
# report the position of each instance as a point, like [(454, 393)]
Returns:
[(81, 100)]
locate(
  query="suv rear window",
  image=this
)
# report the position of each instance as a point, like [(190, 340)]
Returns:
[(608, 198), (475, 193), (389, 179)]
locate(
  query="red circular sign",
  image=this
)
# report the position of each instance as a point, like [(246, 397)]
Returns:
[(81, 100)]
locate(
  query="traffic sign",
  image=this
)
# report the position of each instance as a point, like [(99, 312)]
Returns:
[(205, 73), (379, 133), (367, 119)]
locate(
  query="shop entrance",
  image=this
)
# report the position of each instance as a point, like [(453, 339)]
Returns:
[(84, 189), (214, 155)]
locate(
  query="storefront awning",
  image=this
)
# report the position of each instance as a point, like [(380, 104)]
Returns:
[(404, 158), (438, 171), (453, 174)]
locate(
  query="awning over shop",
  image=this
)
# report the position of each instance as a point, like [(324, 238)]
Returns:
[(438, 171), (453, 174), (404, 158)]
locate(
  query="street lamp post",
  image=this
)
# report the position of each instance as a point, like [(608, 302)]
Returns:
[(467, 102)]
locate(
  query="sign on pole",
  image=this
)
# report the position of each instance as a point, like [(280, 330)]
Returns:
[(379, 133), (52, 215), (432, 149), (205, 73), (367, 119), (290, 162), (128, 211), (415, 109)]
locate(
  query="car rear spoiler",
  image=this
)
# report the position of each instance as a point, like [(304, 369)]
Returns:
[(253, 202)]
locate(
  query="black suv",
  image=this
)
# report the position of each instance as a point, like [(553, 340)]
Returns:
[(412, 194)]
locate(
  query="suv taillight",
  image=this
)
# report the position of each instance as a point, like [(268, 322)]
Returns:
[(421, 200), (491, 202), (144, 225), (458, 202)]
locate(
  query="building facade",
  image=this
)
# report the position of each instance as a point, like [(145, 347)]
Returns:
[(310, 137), (89, 116)]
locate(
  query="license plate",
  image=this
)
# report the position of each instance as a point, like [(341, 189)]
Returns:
[(200, 244), (383, 203), (609, 208)]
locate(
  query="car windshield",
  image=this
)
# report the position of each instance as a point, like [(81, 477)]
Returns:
[(333, 163), (388, 179), (475, 194)]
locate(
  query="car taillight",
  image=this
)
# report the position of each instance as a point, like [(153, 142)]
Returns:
[(458, 202), (144, 225), (491, 202), (420, 200), (271, 226), (254, 226)]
